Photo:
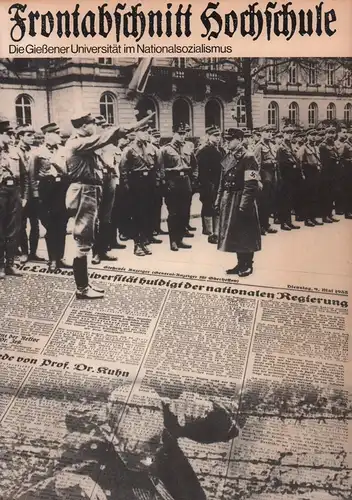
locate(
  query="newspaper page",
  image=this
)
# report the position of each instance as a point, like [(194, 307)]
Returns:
[(175, 250)]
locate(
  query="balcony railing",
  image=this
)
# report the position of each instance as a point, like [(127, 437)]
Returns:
[(193, 81)]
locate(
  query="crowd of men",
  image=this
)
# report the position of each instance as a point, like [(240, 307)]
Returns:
[(114, 180)]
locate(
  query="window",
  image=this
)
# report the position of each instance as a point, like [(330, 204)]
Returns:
[(331, 111), (107, 107), (347, 113), (214, 63), (330, 75), (213, 113), (347, 78), (148, 104), (273, 114), (312, 74), (272, 73), (105, 60), (241, 112), (23, 106), (292, 73), (312, 114), (293, 113), (181, 112), (180, 62)]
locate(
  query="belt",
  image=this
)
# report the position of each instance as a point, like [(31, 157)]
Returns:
[(9, 182), (50, 178), (87, 183), (140, 173), (232, 187), (176, 173)]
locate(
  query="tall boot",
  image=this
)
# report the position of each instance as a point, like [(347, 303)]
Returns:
[(249, 259), (80, 273), (236, 269), (207, 223), (51, 253), (10, 270), (172, 233), (181, 222), (138, 250), (246, 264), (2, 264), (213, 238), (144, 245)]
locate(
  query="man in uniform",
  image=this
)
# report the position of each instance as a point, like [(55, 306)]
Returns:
[(106, 156), (309, 161), (157, 202), (239, 230), (84, 193), (266, 158), (329, 158), (178, 190), (346, 162), (287, 167), (47, 167), (340, 171), (12, 177), (254, 140), (117, 210), (209, 157), (139, 169), (189, 155), (25, 135)]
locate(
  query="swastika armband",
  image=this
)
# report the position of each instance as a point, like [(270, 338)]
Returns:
[(251, 175)]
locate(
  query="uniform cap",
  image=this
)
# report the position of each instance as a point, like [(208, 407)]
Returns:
[(181, 128), (247, 132), (234, 133), (279, 134), (144, 128), (311, 131), (330, 130), (100, 120), (268, 128), (289, 129), (50, 127), (81, 119), (212, 130), (299, 134), (23, 129), (65, 134), (4, 125), (154, 132)]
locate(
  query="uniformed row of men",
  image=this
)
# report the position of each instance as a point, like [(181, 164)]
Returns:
[(113, 180), (268, 174)]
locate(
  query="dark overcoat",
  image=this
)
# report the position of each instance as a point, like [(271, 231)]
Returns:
[(239, 185)]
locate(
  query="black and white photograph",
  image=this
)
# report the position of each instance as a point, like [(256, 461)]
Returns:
[(175, 263), (230, 165)]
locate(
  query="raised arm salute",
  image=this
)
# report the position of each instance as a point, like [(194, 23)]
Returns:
[(84, 193)]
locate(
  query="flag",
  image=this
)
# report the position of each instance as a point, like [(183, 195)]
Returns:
[(140, 76)]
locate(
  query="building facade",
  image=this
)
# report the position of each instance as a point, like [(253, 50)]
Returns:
[(200, 92)]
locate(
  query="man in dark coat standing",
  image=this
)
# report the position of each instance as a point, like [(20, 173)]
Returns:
[(239, 230), (209, 157)]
